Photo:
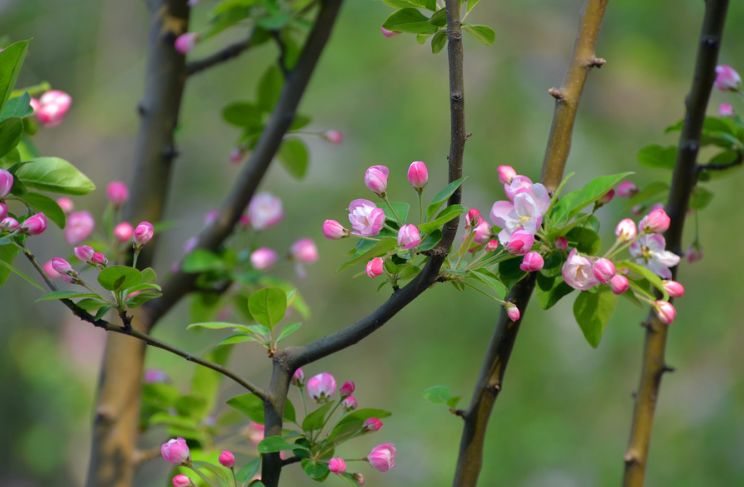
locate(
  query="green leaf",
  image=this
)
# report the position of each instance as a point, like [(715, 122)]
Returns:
[(438, 41), (248, 471), (509, 271), (645, 273), (205, 383), (431, 241), (315, 470), (55, 295), (268, 306), (55, 175), (483, 33), (401, 209), (11, 61), (240, 338), (48, 206), (575, 201), (443, 196), (700, 198), (658, 156), (592, 311), (269, 88), (288, 331), (491, 280), (446, 215), (548, 298), (379, 248), (587, 240), (409, 20), (118, 277), (250, 405), (273, 444), (202, 260), (439, 18), (295, 157), (352, 423), (471, 5), (19, 106), (316, 419), (438, 394), (7, 255), (11, 131), (219, 325), (242, 114)]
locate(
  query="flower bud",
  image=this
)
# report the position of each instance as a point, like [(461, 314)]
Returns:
[(6, 182), (387, 32), (263, 258), (418, 174), (726, 110), (84, 253), (409, 236), (347, 388), (236, 155), (727, 79), (298, 378), (155, 376), (265, 210), (376, 178), (693, 254), (674, 289), (143, 233), (61, 265), (492, 245), (117, 193), (349, 403), (186, 42), (626, 230), (305, 251), (512, 311), (657, 221), (123, 232), (333, 230), (181, 480), (227, 459), (3, 210), (175, 451), (606, 198), (372, 424), (337, 465), (625, 189), (9, 224), (506, 174), (321, 386), (35, 225), (66, 204), (382, 457), (520, 242), (619, 284), (52, 107), (603, 269), (335, 137), (359, 479), (473, 218), (80, 224), (531, 262), (375, 267), (48, 269), (665, 311), (482, 233), (99, 259)]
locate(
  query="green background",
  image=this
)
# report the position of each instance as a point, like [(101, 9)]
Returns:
[(562, 419)]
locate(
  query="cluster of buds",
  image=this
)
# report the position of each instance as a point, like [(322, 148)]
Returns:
[(727, 80), (35, 224), (52, 107)]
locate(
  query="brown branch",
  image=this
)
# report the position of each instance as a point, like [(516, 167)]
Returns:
[(223, 55), (683, 182), (489, 384), (723, 166)]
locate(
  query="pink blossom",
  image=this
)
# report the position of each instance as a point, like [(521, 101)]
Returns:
[(236, 155), (626, 189), (506, 174), (265, 210), (255, 432), (649, 250), (492, 245), (512, 311), (263, 258), (349, 403), (607, 197), (347, 388), (523, 184), (674, 289), (473, 218), (305, 251), (80, 224), (84, 253), (520, 242), (657, 221), (321, 386), (155, 376), (409, 236), (99, 259), (298, 378), (143, 233), (181, 480), (48, 269), (337, 465), (6, 182), (665, 311), (375, 267), (382, 457), (619, 284), (418, 174), (333, 230), (335, 137), (693, 254), (175, 451), (626, 230), (376, 178), (34, 225), (531, 262), (577, 272), (561, 243), (117, 192), (482, 233), (366, 218), (372, 424), (227, 459), (727, 79), (603, 270), (186, 42), (211, 216), (387, 33), (123, 232), (9, 224), (66, 204), (61, 265), (3, 210), (726, 110), (51, 108), (523, 213)]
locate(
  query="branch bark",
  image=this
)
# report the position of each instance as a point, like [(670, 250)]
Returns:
[(223, 55), (490, 380), (683, 182)]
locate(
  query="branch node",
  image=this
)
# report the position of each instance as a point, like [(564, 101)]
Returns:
[(459, 412), (170, 153), (667, 368), (631, 458), (556, 93), (597, 62), (709, 41)]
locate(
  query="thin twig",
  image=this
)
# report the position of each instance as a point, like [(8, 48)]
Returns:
[(683, 182), (723, 166), (282, 59), (223, 55)]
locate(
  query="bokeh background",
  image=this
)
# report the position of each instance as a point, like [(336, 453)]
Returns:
[(562, 419)]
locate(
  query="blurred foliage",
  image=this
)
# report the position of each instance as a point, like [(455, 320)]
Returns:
[(563, 417)]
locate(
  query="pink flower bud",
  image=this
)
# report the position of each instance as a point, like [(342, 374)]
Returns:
[(211, 217), (349, 403), (6, 182), (387, 33), (674, 289), (657, 221), (375, 267), (531, 262), (474, 218), (347, 388), (227, 459), (52, 107), (143, 233), (236, 155), (359, 479), (376, 178), (3, 210), (693, 254), (626, 230), (727, 79), (607, 197), (372, 424), (123, 232), (418, 174), (255, 432), (155, 376), (520, 242), (9, 224), (518, 184), (726, 110), (263, 258), (337, 465), (35, 225), (175, 451), (61, 265), (181, 480), (298, 378), (409, 236), (382, 457), (603, 270), (186, 42), (80, 224), (366, 218), (321, 386), (66, 204), (506, 174), (492, 245), (619, 284), (333, 230), (482, 233), (305, 251), (512, 311), (99, 259), (626, 189), (335, 137), (665, 311), (84, 253), (265, 210), (561, 243), (48, 269), (117, 193)]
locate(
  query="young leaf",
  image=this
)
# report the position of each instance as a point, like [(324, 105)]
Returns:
[(118, 277), (700, 198), (220, 325), (250, 405), (269, 88), (575, 201), (443, 196), (54, 175), (446, 215), (11, 61), (379, 248), (295, 157), (201, 260), (55, 295), (248, 471), (48, 206), (438, 41), (409, 20), (242, 114), (315, 470), (287, 331), (592, 312), (268, 306), (658, 156), (401, 210), (439, 394), (19, 106), (483, 33), (11, 131), (316, 419), (273, 444)]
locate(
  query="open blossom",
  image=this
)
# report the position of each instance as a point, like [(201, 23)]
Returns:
[(117, 192), (418, 174), (365, 217), (577, 271), (305, 251), (321, 386), (80, 224), (382, 457), (650, 251), (603, 270), (626, 230), (512, 311), (335, 137), (665, 311), (619, 284), (523, 213), (727, 79), (123, 232), (626, 188), (409, 236), (337, 465), (181, 480), (726, 109), (265, 210), (227, 459), (6, 182), (175, 451), (186, 42), (657, 221), (375, 267), (333, 230), (35, 224), (51, 108), (143, 233), (263, 258), (376, 178), (674, 289), (520, 242), (532, 262)]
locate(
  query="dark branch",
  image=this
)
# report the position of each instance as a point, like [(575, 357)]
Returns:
[(683, 183), (701, 168), (282, 60), (223, 55)]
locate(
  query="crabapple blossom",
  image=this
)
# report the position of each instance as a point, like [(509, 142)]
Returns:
[(236, 155), (577, 271), (382, 457), (619, 284), (84, 253), (657, 221), (255, 432), (347, 388), (181, 480), (227, 459), (372, 424), (387, 32), (263, 258), (606, 198), (409, 236), (66, 204), (626, 230), (186, 42), (117, 193), (665, 311), (99, 259), (3, 210), (6, 182), (51, 108), (80, 224), (51, 273), (175, 451), (298, 378), (143, 233), (305, 251), (603, 270), (335, 137), (61, 265), (375, 267), (727, 79), (531, 262), (482, 233), (626, 188), (366, 218), (333, 230), (349, 403), (265, 210), (693, 254), (523, 213), (520, 242), (418, 174), (506, 173), (512, 311), (321, 386), (561, 243), (492, 245), (649, 250), (337, 465), (726, 109), (376, 178), (9, 224), (473, 218), (123, 232), (35, 224), (674, 289)]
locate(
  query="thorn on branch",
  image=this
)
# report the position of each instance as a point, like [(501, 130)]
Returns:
[(556, 93), (597, 62), (667, 368), (170, 153)]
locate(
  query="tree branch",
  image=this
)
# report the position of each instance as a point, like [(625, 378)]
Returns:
[(724, 166), (683, 182), (223, 55), (490, 380)]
